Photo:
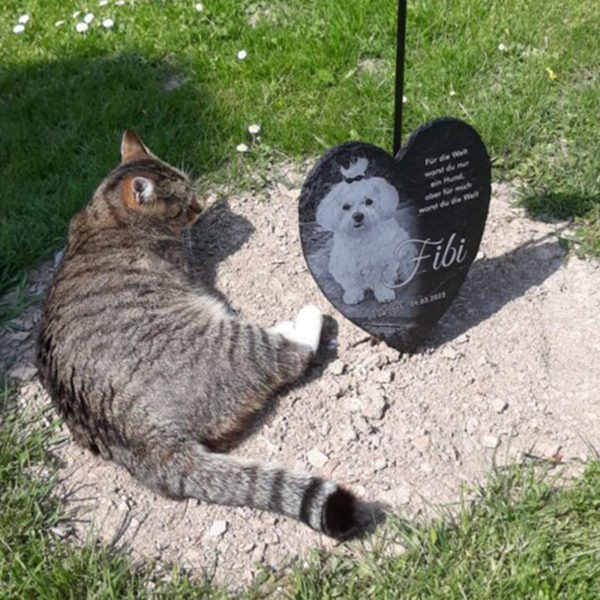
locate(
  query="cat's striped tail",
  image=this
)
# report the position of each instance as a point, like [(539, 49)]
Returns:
[(191, 471)]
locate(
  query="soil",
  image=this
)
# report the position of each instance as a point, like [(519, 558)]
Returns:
[(510, 371)]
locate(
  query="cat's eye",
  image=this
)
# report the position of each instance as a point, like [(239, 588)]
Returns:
[(346, 207), (368, 202)]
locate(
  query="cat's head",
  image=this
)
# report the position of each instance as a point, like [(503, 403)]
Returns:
[(144, 185)]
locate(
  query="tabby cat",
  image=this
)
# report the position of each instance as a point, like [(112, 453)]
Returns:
[(150, 369)]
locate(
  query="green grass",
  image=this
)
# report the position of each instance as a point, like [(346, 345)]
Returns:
[(522, 536), (65, 97), (34, 561)]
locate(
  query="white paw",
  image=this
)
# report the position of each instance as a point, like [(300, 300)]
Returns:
[(284, 328), (308, 325)]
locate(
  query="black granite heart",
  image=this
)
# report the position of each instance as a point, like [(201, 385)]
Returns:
[(390, 240)]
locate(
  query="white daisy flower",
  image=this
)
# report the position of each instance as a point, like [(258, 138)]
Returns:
[(102, 2), (88, 18), (452, 93), (24, 19), (242, 54), (59, 23), (81, 27), (107, 23), (502, 48), (120, 3), (404, 99), (20, 28), (199, 7), (254, 129), (241, 148)]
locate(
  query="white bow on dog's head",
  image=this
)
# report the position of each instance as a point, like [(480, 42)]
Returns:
[(356, 170)]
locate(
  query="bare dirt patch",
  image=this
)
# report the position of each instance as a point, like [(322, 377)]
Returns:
[(512, 368)]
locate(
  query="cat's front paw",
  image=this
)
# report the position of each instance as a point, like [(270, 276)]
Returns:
[(285, 328), (305, 330), (308, 325)]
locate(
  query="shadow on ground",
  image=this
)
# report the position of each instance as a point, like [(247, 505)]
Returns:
[(493, 283), (61, 124)]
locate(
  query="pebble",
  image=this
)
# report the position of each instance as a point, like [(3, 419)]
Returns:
[(353, 403), (384, 377), (337, 367), (490, 441), (449, 352), (422, 442), (217, 529), (348, 434), (499, 405), (373, 402), (380, 464), (316, 458), (23, 371)]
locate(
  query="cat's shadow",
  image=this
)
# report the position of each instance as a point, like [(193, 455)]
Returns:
[(217, 234)]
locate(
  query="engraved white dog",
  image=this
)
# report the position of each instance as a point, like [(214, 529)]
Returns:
[(360, 211)]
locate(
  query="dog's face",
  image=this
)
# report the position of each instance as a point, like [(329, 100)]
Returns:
[(355, 207)]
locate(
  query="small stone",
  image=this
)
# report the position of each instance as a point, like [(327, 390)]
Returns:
[(373, 403), (380, 464), (337, 367), (449, 352), (499, 405), (384, 376), (258, 554), (353, 403), (402, 496), (218, 528), (23, 372), (348, 434), (316, 458), (471, 425), (422, 442), (490, 441), (248, 547)]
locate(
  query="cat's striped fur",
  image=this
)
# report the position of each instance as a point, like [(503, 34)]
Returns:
[(151, 370)]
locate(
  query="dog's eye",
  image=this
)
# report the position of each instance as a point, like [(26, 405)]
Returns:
[(368, 202), (346, 207)]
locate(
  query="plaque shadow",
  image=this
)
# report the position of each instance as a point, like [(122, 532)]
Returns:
[(494, 282)]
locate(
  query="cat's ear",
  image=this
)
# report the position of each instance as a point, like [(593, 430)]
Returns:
[(132, 147), (138, 191)]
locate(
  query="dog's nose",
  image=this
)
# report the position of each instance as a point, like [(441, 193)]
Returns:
[(358, 217)]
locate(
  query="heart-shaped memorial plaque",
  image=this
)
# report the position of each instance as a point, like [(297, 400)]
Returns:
[(390, 240)]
